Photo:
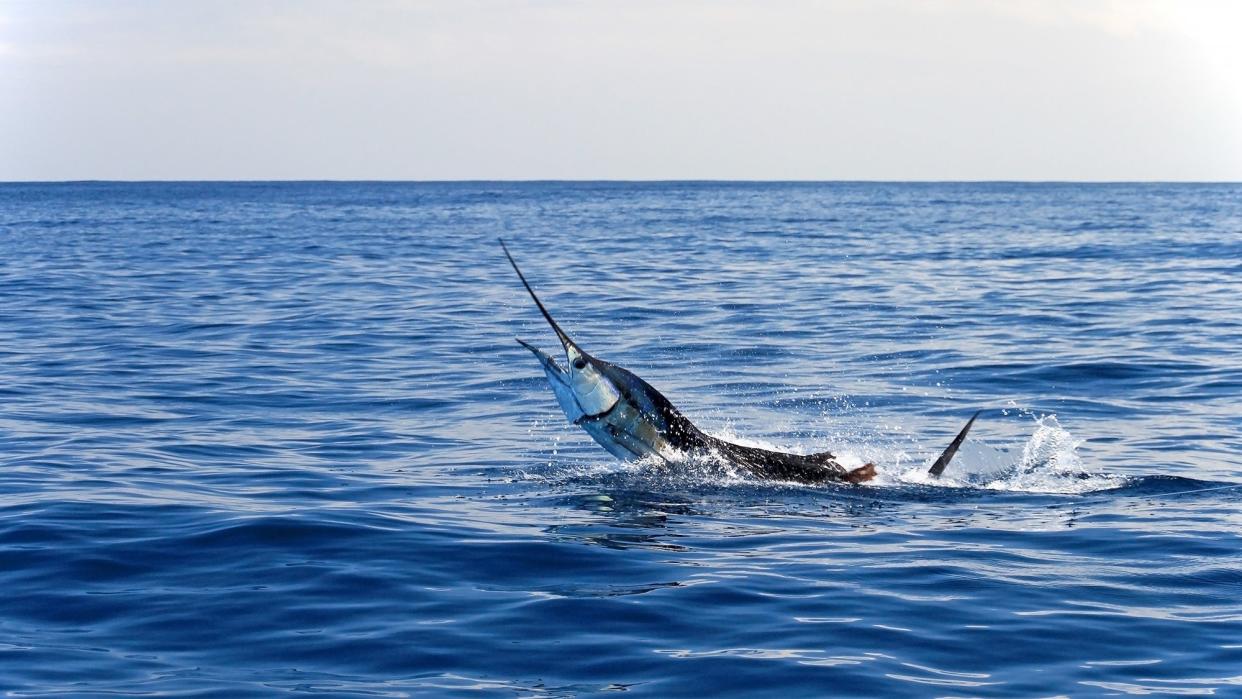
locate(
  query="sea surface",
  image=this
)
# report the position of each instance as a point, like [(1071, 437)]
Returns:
[(269, 439)]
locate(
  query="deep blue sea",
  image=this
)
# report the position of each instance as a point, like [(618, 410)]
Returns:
[(262, 439)]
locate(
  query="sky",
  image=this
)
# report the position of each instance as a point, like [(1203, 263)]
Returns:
[(621, 89)]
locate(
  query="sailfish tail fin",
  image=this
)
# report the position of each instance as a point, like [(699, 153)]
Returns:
[(947, 456)]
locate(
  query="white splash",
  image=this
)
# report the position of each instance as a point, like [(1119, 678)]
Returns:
[(1048, 462)]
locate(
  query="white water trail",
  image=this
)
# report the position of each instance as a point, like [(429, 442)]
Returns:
[(1046, 462)]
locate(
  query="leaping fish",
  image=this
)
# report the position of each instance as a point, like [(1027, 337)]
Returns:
[(632, 420)]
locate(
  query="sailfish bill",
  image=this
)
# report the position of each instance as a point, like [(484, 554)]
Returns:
[(632, 420)]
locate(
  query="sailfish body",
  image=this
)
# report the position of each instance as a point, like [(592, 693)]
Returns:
[(632, 420)]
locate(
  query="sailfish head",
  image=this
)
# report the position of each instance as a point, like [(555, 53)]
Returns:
[(592, 392)]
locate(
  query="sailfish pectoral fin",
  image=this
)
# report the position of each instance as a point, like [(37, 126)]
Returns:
[(633, 444), (947, 456)]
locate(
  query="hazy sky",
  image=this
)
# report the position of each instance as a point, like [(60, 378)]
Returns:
[(621, 89)]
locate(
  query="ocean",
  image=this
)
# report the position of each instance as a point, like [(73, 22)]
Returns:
[(264, 439)]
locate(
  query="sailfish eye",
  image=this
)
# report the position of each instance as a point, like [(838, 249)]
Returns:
[(579, 363)]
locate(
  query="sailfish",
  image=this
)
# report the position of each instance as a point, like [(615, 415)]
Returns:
[(630, 419)]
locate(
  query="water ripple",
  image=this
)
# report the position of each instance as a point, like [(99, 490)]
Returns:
[(275, 438)]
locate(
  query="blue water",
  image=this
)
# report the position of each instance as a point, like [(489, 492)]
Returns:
[(262, 439)]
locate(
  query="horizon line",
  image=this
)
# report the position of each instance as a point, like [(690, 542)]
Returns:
[(605, 181)]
